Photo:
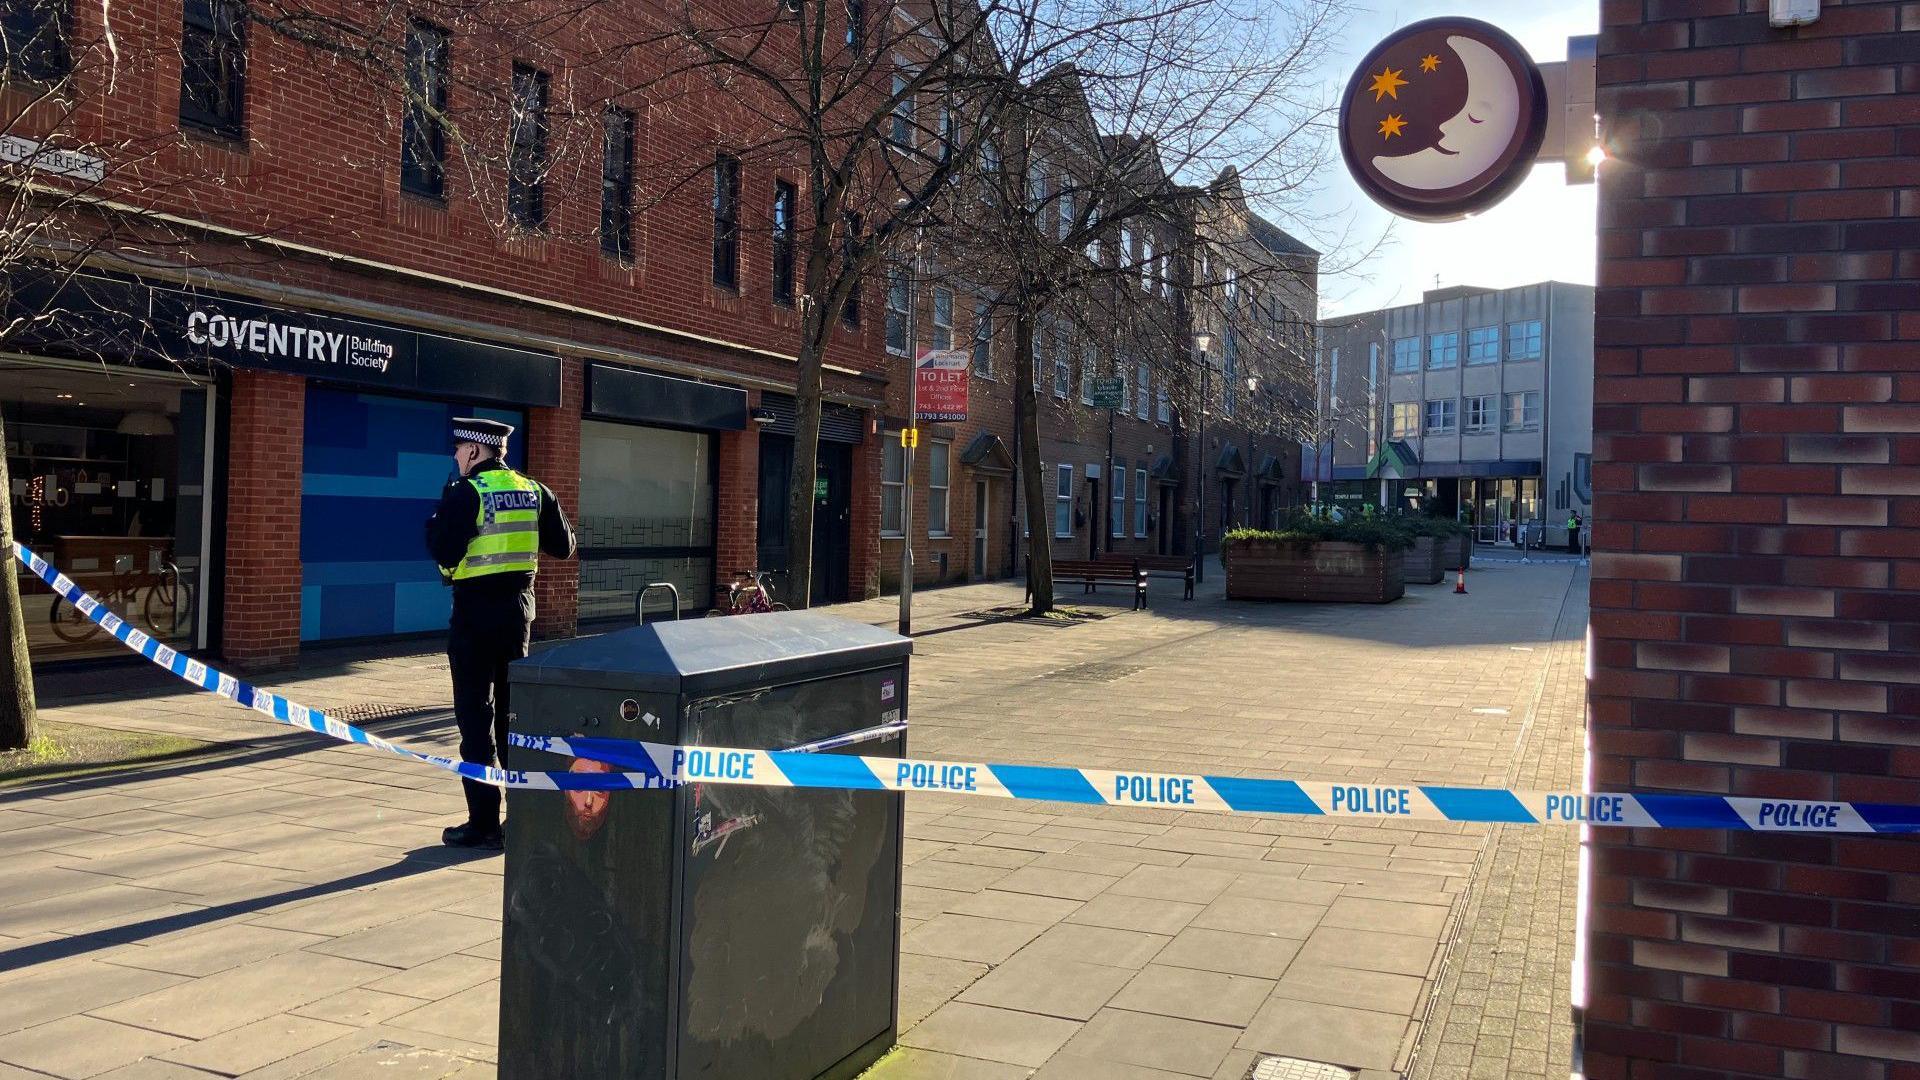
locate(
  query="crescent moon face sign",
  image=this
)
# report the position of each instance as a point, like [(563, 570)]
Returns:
[(1443, 119)]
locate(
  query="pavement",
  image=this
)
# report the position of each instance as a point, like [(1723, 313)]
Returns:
[(281, 907)]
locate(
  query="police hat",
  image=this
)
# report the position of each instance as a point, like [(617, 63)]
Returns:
[(474, 429)]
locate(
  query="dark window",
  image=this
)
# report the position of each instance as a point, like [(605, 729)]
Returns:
[(616, 184), (213, 65), (726, 221), (423, 147), (34, 35), (527, 149), (783, 206), (850, 255), (857, 25)]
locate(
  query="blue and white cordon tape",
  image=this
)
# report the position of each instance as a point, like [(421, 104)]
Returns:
[(654, 765)]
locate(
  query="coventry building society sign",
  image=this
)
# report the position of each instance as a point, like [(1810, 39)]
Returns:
[(1443, 119), (269, 339)]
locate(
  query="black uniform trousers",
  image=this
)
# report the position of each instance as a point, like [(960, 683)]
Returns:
[(489, 630)]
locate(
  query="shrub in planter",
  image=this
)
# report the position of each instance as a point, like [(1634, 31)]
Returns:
[(1440, 545), (1360, 560)]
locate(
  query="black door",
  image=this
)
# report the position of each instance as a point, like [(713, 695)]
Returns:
[(832, 522), (1166, 519), (832, 513)]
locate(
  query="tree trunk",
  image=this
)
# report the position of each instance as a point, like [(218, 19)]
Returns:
[(16, 669), (1032, 476), (806, 458)]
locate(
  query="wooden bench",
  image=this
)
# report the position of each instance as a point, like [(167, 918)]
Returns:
[(1178, 566), (1092, 574)]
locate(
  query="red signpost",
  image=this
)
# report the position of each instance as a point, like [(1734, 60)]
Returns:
[(941, 378)]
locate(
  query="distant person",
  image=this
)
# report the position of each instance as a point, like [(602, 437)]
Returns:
[(487, 535), (1574, 522)]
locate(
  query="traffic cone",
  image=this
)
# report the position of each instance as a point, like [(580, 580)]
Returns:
[(1460, 583)]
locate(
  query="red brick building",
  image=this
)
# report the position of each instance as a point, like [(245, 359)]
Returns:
[(1757, 524)]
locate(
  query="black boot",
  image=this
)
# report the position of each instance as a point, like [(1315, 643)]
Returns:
[(474, 836)]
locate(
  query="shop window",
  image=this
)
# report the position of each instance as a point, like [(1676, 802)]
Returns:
[(1483, 345), (1523, 340), (1139, 503), (1117, 507), (942, 319), (939, 485), (893, 486), (1063, 500), (1443, 350), (646, 514), (213, 66), (527, 149), (34, 34), (423, 146), (109, 479), (726, 221), (1523, 410), (784, 199), (616, 184), (1406, 355), (899, 309)]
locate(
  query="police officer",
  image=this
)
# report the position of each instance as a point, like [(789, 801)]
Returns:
[(487, 534), (1573, 532)]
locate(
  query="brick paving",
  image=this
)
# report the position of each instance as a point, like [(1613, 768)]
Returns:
[(284, 910)]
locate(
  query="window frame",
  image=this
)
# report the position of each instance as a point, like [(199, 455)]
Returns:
[(527, 146), (942, 331), (903, 126), (1485, 350), (856, 37), (1407, 354), (1142, 390), (940, 489), (849, 248), (982, 359), (1449, 410), (1488, 405), (1089, 370), (1531, 339), (225, 51), (786, 202), (1139, 503), (1443, 350), (39, 43), (1409, 430), (726, 222), (1062, 365), (423, 128), (1529, 401), (895, 455), (899, 310), (1063, 502), (616, 188), (1117, 501), (1147, 262)]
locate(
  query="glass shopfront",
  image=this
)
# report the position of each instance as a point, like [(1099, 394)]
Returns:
[(646, 515), (109, 469)]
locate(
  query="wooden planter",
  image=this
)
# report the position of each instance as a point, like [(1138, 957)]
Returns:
[(1427, 562), (1325, 571), (1459, 552)]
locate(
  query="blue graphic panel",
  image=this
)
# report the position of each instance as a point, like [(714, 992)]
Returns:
[(373, 471)]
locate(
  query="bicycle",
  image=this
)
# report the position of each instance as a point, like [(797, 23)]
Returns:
[(167, 604), (749, 593)]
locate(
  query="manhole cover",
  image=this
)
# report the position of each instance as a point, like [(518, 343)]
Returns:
[(375, 710), (1286, 1068), (1095, 672)]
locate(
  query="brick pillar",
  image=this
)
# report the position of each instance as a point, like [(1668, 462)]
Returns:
[(736, 537), (863, 561), (260, 622), (1756, 529), (553, 457)]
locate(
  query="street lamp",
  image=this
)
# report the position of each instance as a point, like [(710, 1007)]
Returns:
[(913, 426), (1201, 341)]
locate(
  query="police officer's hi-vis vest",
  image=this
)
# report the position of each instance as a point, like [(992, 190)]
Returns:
[(509, 521)]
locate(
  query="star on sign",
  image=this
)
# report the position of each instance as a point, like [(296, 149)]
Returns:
[(1391, 126), (1387, 84), (1429, 62)]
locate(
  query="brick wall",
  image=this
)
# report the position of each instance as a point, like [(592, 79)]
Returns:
[(737, 532), (553, 457), (261, 628), (1757, 536)]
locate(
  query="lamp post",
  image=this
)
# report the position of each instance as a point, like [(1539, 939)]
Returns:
[(1201, 341), (912, 443)]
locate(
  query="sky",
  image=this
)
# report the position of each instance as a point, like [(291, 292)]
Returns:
[(1544, 230)]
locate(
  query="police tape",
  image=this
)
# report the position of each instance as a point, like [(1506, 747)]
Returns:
[(658, 765)]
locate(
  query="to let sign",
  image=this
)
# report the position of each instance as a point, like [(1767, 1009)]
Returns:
[(1109, 392), (941, 386)]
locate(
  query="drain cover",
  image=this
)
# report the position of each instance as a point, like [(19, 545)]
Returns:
[(1095, 672), (1286, 1068), (364, 711)]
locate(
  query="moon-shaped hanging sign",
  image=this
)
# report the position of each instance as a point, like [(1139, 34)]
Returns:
[(1443, 119)]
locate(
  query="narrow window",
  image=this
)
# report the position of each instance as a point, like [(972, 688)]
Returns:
[(982, 338), (726, 221), (1117, 507), (527, 149), (1062, 365), (902, 134), (423, 147), (1063, 500), (850, 254), (213, 66), (899, 309), (857, 26), (784, 198), (893, 480), (939, 483), (1142, 392), (1139, 503), (942, 318), (616, 185), (34, 34)]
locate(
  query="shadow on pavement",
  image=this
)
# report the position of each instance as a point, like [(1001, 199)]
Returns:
[(418, 861)]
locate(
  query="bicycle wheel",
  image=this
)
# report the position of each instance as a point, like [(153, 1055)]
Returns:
[(169, 607), (777, 606), (715, 613), (68, 624)]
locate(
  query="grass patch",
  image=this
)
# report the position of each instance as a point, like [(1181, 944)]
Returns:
[(63, 751)]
